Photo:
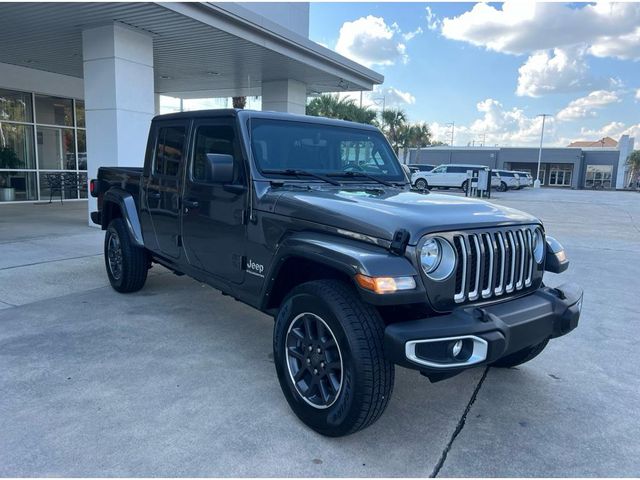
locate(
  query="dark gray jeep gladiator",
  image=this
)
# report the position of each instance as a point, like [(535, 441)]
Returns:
[(313, 221)]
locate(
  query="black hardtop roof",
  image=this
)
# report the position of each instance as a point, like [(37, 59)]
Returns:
[(246, 114)]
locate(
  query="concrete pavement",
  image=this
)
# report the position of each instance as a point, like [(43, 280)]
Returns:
[(177, 380)]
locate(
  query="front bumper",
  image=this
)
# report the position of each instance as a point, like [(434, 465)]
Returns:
[(495, 330)]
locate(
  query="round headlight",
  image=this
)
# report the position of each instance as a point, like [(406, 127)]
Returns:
[(430, 255), (538, 245), (437, 258)]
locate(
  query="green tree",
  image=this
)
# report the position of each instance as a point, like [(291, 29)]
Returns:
[(633, 161), (239, 102), (333, 106), (394, 123)]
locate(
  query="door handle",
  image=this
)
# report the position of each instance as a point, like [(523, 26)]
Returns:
[(154, 195), (190, 203)]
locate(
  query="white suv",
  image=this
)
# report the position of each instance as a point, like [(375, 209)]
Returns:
[(448, 176), (526, 180), (508, 180)]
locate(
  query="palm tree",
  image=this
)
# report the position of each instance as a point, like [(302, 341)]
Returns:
[(239, 102), (419, 136), (393, 124), (633, 161), (333, 106)]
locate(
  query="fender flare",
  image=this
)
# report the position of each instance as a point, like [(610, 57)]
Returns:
[(127, 207), (342, 254)]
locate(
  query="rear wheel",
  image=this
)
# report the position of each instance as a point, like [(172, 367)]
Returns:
[(328, 352), (127, 265), (521, 356), (503, 187), (465, 185), (421, 184)]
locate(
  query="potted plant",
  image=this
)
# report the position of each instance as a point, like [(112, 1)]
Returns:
[(8, 159)]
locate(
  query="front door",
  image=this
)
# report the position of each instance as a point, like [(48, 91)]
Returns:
[(213, 221), (163, 186)]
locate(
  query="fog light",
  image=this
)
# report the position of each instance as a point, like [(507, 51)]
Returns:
[(456, 349)]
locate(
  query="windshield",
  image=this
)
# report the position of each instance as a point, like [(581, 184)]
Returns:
[(280, 145)]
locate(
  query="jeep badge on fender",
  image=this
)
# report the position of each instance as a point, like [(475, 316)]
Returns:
[(341, 239)]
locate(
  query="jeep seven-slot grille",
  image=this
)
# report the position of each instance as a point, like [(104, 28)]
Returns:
[(491, 264)]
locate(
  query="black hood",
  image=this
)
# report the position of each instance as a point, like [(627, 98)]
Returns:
[(381, 212)]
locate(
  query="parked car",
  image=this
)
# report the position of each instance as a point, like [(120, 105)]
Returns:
[(508, 180), (525, 180), (418, 167), (448, 176), (311, 221)]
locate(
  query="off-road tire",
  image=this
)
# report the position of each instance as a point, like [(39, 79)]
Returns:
[(367, 376), (422, 184), (134, 260), (521, 356)]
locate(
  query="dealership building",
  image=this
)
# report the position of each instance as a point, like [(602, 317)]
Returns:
[(562, 167), (80, 82)]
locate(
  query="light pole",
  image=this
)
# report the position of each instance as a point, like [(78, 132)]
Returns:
[(544, 116), (452, 125)]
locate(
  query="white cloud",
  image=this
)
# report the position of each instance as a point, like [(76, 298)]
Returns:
[(586, 106), (370, 41), (626, 47), (613, 129), (410, 35), (497, 125), (393, 97), (562, 71), (520, 27), (638, 94), (433, 22)]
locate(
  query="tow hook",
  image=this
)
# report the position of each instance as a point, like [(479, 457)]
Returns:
[(559, 293), (480, 314)]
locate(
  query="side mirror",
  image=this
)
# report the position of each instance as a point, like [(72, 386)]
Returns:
[(219, 168)]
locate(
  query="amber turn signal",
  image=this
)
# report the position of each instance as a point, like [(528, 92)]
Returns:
[(382, 285)]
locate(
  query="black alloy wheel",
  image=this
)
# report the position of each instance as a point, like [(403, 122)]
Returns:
[(114, 254), (314, 360), (126, 264)]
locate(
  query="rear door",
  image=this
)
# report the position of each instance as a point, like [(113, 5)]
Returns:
[(213, 226), (163, 187)]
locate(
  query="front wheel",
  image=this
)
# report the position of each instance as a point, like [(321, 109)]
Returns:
[(521, 356), (328, 352), (421, 184), (465, 185), (503, 187), (127, 265)]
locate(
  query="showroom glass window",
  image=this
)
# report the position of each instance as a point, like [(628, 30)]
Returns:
[(598, 176), (40, 135)]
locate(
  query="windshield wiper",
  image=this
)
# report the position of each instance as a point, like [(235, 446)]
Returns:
[(301, 173), (363, 175)]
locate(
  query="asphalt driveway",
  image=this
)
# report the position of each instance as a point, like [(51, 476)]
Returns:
[(177, 380)]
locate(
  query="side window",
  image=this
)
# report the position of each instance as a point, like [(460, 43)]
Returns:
[(170, 151), (213, 139), (439, 170)]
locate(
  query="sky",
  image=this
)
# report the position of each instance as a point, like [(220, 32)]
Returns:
[(492, 68)]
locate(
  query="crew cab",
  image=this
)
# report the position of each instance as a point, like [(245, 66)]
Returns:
[(313, 222), (449, 176)]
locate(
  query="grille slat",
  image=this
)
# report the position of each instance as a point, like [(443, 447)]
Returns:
[(491, 264)]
